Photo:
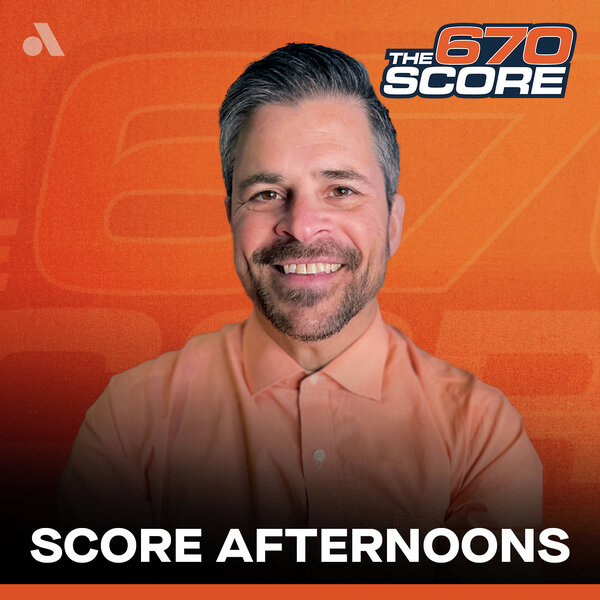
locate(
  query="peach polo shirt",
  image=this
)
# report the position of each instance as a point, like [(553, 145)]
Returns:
[(231, 432)]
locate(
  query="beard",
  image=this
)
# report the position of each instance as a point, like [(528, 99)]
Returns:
[(283, 306)]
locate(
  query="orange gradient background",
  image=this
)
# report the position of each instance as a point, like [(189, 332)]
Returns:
[(114, 245)]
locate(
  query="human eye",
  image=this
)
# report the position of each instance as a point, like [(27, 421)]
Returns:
[(341, 191), (265, 196)]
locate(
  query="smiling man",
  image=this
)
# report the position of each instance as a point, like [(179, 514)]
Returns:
[(313, 412), (311, 225)]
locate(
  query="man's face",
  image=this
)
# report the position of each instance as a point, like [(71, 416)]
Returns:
[(309, 216)]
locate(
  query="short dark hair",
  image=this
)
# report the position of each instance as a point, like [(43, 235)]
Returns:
[(298, 72)]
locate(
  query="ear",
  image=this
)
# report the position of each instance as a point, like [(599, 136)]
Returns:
[(395, 222), (228, 208)]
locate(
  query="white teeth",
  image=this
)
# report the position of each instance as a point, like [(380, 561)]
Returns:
[(311, 268)]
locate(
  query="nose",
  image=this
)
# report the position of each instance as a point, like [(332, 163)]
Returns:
[(303, 218)]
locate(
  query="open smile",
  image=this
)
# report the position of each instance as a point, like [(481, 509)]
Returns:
[(315, 268)]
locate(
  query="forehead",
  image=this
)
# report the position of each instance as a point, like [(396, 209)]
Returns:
[(316, 134)]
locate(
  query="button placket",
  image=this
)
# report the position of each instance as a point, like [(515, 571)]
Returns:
[(317, 449)]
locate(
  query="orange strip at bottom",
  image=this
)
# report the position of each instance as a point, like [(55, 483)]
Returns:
[(300, 592)]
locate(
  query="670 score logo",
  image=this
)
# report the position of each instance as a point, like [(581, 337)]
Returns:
[(481, 61)]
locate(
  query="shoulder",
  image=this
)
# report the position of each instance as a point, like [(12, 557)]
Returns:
[(199, 351), (476, 421), (450, 391), (148, 390)]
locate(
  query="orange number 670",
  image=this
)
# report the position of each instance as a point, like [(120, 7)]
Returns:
[(467, 48)]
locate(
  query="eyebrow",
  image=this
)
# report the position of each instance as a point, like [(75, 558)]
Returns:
[(344, 174), (260, 178), (333, 174)]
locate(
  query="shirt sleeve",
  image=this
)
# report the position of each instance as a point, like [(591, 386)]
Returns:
[(103, 484), (500, 485)]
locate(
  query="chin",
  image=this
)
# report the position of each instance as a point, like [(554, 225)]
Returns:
[(312, 329)]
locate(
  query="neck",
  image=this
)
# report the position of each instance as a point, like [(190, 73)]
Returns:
[(312, 356)]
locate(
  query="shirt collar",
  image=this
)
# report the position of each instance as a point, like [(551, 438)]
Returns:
[(265, 361), (359, 369)]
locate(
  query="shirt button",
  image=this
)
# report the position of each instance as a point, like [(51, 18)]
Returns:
[(314, 379), (319, 456)]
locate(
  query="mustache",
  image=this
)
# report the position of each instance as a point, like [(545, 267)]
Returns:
[(293, 249)]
